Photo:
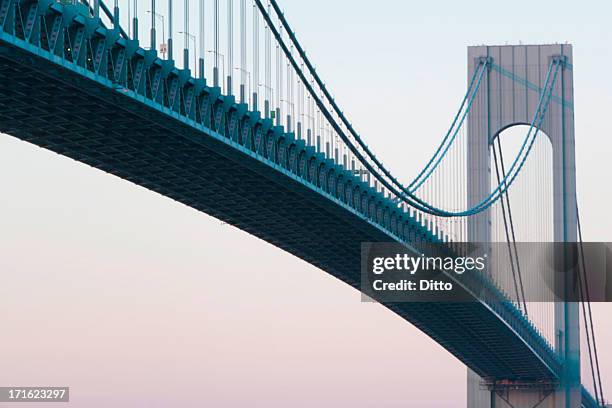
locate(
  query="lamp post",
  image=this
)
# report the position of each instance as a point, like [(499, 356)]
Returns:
[(191, 37), (308, 127), (242, 90), (216, 69), (268, 103), (290, 111), (163, 47)]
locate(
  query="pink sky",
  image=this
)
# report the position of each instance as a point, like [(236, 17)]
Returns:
[(133, 300), (143, 302)]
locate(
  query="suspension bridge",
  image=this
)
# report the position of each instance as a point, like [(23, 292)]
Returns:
[(240, 125)]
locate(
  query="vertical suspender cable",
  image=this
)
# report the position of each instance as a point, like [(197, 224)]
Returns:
[(279, 83), (129, 18), (186, 34), (448, 140), (520, 301), (388, 180), (170, 30), (586, 286), (135, 21), (268, 62), (230, 45), (511, 223), (243, 71), (289, 100), (202, 35), (216, 43), (255, 84), (406, 195), (152, 25), (116, 14), (581, 286)]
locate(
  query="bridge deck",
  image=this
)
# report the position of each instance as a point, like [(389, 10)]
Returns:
[(64, 107)]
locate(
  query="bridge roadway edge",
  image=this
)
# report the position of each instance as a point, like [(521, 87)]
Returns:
[(466, 330)]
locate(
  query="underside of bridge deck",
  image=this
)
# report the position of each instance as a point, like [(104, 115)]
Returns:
[(57, 108)]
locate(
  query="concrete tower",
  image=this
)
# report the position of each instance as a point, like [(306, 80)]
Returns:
[(509, 95)]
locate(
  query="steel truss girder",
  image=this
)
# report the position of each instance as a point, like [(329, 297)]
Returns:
[(116, 69)]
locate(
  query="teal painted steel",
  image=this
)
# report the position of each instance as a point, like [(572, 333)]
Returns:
[(115, 106)]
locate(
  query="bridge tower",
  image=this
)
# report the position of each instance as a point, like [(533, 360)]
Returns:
[(508, 96)]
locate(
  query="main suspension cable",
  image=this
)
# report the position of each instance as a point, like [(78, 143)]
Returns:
[(588, 301), (519, 300), (431, 166), (511, 223), (397, 188)]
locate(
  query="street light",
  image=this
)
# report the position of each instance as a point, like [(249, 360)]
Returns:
[(326, 144), (270, 102), (163, 47), (290, 112), (248, 74), (189, 36), (216, 74), (308, 127), (289, 104)]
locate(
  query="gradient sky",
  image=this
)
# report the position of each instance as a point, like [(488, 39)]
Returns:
[(134, 300)]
